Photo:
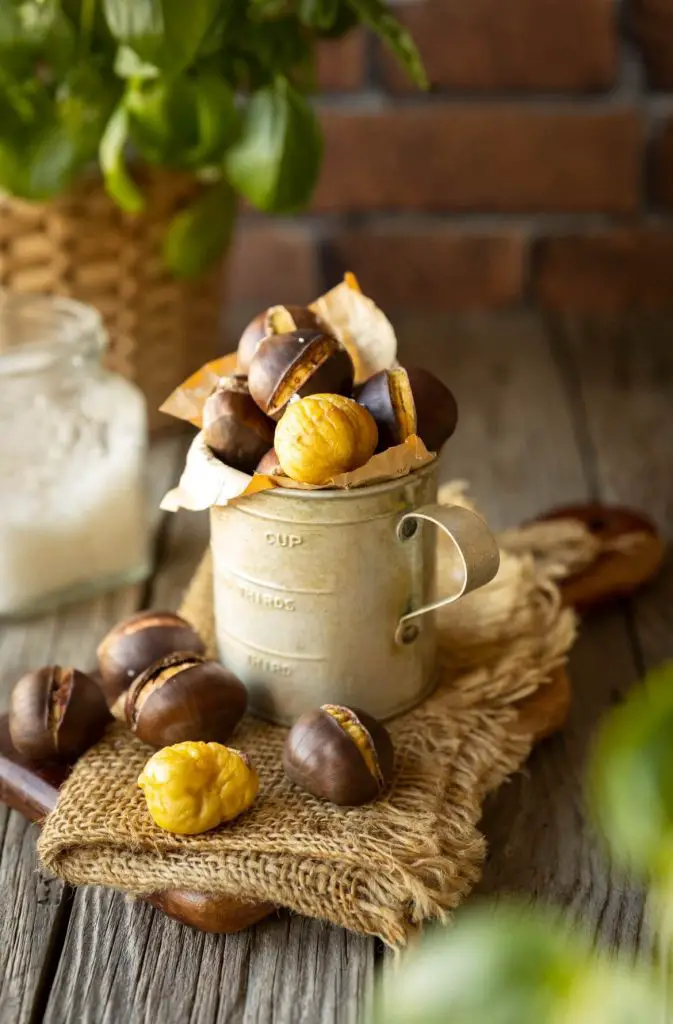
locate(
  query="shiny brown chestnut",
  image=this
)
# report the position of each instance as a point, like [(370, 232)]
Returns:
[(234, 427), (269, 465), (56, 714), (389, 398), (264, 324), (339, 754), (137, 642), (436, 408), (185, 697), (298, 363)]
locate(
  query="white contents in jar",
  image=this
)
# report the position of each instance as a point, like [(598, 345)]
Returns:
[(72, 504)]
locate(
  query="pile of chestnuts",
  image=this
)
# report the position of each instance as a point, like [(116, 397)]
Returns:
[(293, 408), (187, 706)]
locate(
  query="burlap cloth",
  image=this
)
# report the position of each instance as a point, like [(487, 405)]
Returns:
[(381, 869)]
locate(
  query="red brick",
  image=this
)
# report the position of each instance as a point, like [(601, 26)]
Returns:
[(485, 157), (662, 166), (272, 262), (653, 28), (435, 268), (340, 62), (611, 271), (513, 44)]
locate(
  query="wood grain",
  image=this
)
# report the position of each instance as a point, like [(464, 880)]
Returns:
[(32, 932), (547, 417)]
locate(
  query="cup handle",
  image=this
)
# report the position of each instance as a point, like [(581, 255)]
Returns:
[(477, 562)]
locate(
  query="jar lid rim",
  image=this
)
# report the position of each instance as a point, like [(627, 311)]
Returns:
[(81, 331)]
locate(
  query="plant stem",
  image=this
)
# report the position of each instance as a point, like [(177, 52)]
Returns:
[(86, 21)]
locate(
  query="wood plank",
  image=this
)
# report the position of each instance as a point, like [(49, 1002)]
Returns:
[(523, 447), (31, 934), (286, 969)]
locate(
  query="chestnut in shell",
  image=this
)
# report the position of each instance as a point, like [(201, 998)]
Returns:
[(298, 363), (269, 465), (436, 408), (389, 398), (234, 427), (185, 697), (405, 402), (264, 324), (339, 754), (137, 642), (56, 714)]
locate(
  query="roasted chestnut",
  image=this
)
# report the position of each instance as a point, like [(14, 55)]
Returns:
[(436, 408), (185, 697), (389, 398), (269, 465), (265, 323), (405, 402), (56, 714), (137, 642), (298, 363), (339, 754), (234, 427)]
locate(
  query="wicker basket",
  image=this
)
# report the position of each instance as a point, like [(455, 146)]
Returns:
[(83, 246)]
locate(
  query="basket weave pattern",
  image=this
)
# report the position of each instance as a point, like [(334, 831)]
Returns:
[(83, 246)]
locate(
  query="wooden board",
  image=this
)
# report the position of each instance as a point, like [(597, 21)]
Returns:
[(546, 418)]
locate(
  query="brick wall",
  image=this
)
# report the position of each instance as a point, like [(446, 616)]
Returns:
[(539, 168)]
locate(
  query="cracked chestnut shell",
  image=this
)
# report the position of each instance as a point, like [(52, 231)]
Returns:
[(234, 427), (56, 714), (263, 324), (339, 754), (405, 402), (269, 465), (389, 398), (298, 363), (183, 697), (436, 408), (137, 642)]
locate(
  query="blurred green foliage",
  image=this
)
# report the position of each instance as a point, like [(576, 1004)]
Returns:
[(513, 965), (213, 87)]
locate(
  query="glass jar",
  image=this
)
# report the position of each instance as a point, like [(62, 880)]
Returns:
[(73, 442)]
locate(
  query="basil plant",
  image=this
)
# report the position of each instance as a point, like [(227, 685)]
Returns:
[(217, 88)]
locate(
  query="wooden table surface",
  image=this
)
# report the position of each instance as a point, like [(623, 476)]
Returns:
[(550, 412)]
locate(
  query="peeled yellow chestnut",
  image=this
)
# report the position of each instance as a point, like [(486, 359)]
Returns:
[(137, 642), (185, 697), (389, 398), (298, 363), (339, 754), (265, 323), (56, 714), (322, 436), (234, 427), (436, 408), (269, 465)]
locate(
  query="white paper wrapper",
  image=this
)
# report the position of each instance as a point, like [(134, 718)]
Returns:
[(206, 481)]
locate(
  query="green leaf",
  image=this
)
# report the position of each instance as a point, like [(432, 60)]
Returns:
[(198, 236), (632, 778), (129, 65), (118, 182), (51, 163), (377, 17), (318, 14), (510, 965), (166, 33), (184, 122), (276, 161), (33, 33)]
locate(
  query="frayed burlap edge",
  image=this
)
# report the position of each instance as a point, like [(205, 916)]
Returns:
[(382, 869)]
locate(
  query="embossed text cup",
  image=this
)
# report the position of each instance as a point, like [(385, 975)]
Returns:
[(327, 596)]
